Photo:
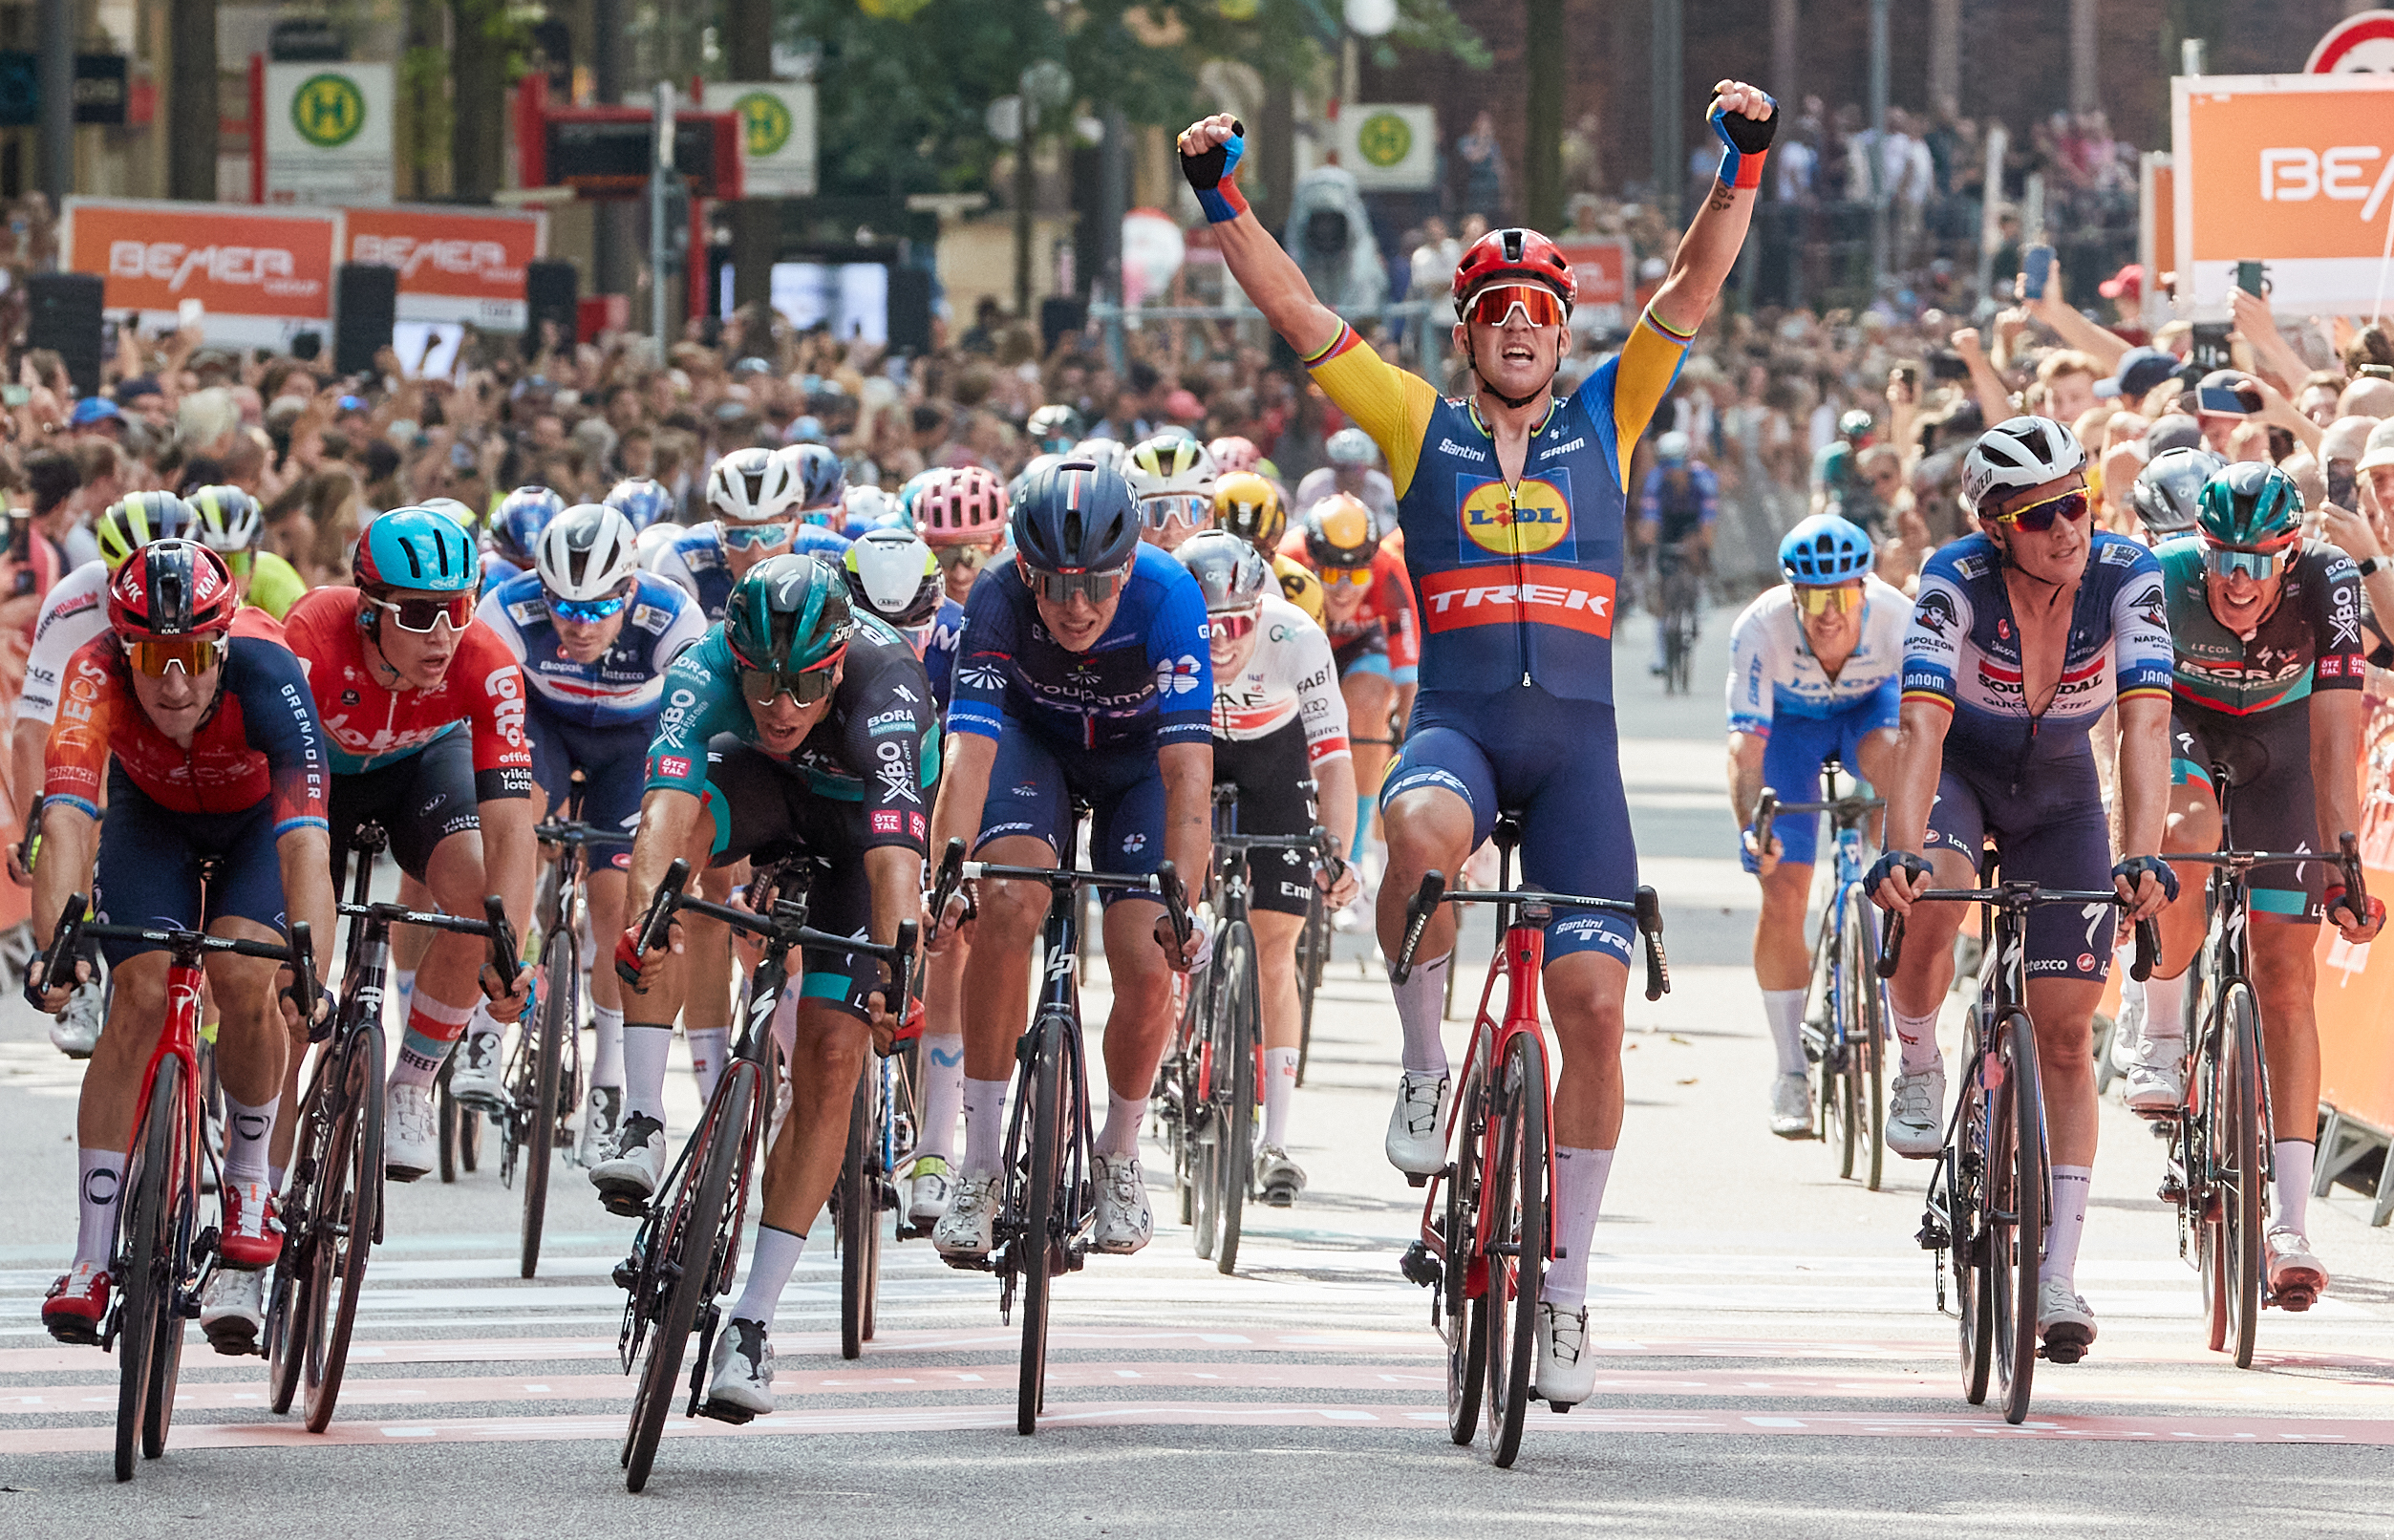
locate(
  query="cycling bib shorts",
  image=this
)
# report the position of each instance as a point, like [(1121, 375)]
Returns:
[(613, 762), (1275, 786), (1799, 746), (2267, 756), (1032, 783), (419, 801), (149, 867)]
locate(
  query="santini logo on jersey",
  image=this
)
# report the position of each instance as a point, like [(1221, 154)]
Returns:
[(1545, 596)]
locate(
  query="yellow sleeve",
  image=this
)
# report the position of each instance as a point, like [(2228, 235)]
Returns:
[(274, 583), (1642, 375), (1394, 407)]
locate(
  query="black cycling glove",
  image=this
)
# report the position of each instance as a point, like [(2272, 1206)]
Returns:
[(1888, 863), (2133, 870)]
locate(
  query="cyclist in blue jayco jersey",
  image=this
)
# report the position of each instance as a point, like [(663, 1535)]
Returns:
[(1084, 673), (2023, 637), (1814, 671)]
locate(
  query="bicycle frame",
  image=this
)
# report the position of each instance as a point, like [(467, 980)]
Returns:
[(1846, 816)]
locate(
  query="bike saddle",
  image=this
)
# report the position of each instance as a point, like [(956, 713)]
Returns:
[(1507, 831)]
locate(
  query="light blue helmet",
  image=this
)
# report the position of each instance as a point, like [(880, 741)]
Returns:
[(1825, 550), (417, 549), (641, 501)]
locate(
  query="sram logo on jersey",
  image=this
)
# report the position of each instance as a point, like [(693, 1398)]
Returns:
[(1545, 596), (1524, 521)]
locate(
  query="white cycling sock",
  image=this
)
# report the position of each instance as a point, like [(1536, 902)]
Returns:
[(942, 1065), (1123, 1117), (2165, 1015), (403, 990), (1915, 1039), (984, 1125), (2290, 1187), (433, 1030), (100, 1178), (1783, 1010), (607, 1059), (646, 1048), (2070, 1221), (1421, 1011), (1579, 1177), (246, 1129), (769, 1270), (1279, 1090), (708, 1048)]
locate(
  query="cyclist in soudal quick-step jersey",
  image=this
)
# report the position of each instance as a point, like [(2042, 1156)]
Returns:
[(593, 636), (1511, 505), (209, 750), (819, 486), (424, 709), (2023, 637), (1280, 735), (1814, 675), (515, 529)]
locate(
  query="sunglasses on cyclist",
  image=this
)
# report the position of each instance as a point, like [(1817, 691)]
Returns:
[(584, 612), (1355, 576), (1231, 625), (749, 537), (804, 686), (1829, 601), (2226, 560), (2037, 517), (421, 616), (1158, 509), (1539, 306), (971, 558), (157, 655), (1059, 588)]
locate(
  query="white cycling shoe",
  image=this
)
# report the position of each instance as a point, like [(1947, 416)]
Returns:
[(232, 1309), (474, 1078), (1791, 1106), (411, 1134), (1279, 1178), (629, 1177), (930, 1190), (743, 1368), (76, 1032), (2064, 1322), (1417, 1124), (969, 1229), (2153, 1082), (2296, 1278), (1566, 1374), (1125, 1223), (1915, 1113), (601, 1116)]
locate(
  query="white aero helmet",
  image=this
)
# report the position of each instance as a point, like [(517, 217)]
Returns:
[(587, 552), (654, 542), (892, 574), (750, 486), (2016, 452)]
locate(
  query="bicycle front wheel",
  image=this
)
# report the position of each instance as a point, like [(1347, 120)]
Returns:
[(1865, 1036), (1313, 950), (146, 1312), (2239, 1146), (348, 1214), (2015, 1213), (1516, 1195), (559, 1019), (1039, 1248), (858, 1209), (1237, 1032), (1462, 1290)]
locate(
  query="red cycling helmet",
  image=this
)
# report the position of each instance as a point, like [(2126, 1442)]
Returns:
[(171, 588), (967, 504), (1515, 255)]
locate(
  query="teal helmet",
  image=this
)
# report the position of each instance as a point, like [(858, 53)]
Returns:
[(2250, 505), (790, 613), (417, 549)]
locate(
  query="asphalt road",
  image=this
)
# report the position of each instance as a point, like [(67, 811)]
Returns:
[(1773, 1361)]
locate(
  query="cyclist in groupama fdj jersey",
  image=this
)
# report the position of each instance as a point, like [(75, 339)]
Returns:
[(1511, 505), (1813, 675), (2021, 637)]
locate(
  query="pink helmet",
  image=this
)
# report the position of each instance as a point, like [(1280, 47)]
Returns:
[(967, 504), (1234, 454)]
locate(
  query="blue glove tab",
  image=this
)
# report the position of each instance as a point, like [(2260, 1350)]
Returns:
[(2134, 868), (1747, 857), (1886, 866), (1213, 175), (1745, 143)]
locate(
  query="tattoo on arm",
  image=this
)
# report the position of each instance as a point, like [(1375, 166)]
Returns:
[(1720, 195)]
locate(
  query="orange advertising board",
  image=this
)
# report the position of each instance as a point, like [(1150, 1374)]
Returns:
[(2295, 171), (454, 264), (261, 275), (1603, 268)]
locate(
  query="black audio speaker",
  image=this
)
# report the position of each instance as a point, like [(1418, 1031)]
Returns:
[(65, 314), (365, 307), (909, 308), (552, 291), (1061, 315)]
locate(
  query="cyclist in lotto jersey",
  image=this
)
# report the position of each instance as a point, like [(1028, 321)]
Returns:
[(208, 748), (1814, 667), (1511, 505), (424, 709), (593, 636), (2022, 637)]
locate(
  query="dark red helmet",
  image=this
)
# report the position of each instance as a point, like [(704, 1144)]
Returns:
[(171, 588), (1515, 255)]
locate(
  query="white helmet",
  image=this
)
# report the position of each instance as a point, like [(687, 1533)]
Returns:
[(872, 507), (752, 487), (587, 552), (894, 574), (463, 515), (655, 541), (2017, 452)]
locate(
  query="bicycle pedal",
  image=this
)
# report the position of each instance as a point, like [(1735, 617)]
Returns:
[(1415, 1179), (723, 1412), (624, 1205), (2171, 1189), (1418, 1265), (2293, 1301)]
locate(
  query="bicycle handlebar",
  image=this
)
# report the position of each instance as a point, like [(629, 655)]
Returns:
[(785, 923), (574, 831), (1646, 909), (298, 953), (2020, 896)]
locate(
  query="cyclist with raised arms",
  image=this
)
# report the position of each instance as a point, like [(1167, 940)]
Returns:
[(208, 748), (1055, 428), (1085, 674), (1368, 612), (515, 530), (424, 711), (2023, 637), (1353, 468), (1814, 675), (1248, 506), (1280, 735), (1512, 505), (797, 726), (2267, 629), (593, 635)]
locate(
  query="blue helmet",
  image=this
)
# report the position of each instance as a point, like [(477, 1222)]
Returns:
[(913, 488), (515, 529), (1825, 550), (642, 501), (1076, 516), (819, 479), (422, 550)]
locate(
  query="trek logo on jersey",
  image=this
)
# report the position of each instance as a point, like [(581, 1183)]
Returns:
[(1176, 677), (1534, 517), (1545, 596)]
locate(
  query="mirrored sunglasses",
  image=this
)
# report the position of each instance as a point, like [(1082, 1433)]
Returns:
[(2037, 517), (971, 558), (586, 610), (805, 686), (1158, 510), (1059, 588), (1360, 577), (1539, 306), (1231, 625), (422, 615), (2226, 560), (157, 655), (749, 537), (1822, 601)]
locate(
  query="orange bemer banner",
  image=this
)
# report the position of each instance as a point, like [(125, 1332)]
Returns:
[(2357, 983)]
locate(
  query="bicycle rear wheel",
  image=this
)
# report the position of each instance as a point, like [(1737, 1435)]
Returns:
[(2016, 1207), (348, 1214), (1467, 1319), (1866, 1036), (561, 1017), (145, 1277), (859, 1209), (2238, 1150), (1040, 1245), (686, 1266), (1517, 1200), (1237, 1034), (1313, 951)]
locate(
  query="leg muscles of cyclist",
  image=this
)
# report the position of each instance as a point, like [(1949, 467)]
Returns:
[(1429, 829), (1782, 959), (805, 1163), (2284, 973), (1925, 971), (2193, 824), (1139, 1021), (446, 990)]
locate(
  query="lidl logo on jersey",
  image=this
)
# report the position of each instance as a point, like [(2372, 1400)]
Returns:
[(1500, 524)]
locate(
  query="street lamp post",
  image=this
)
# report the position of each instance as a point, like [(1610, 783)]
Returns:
[(660, 233)]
